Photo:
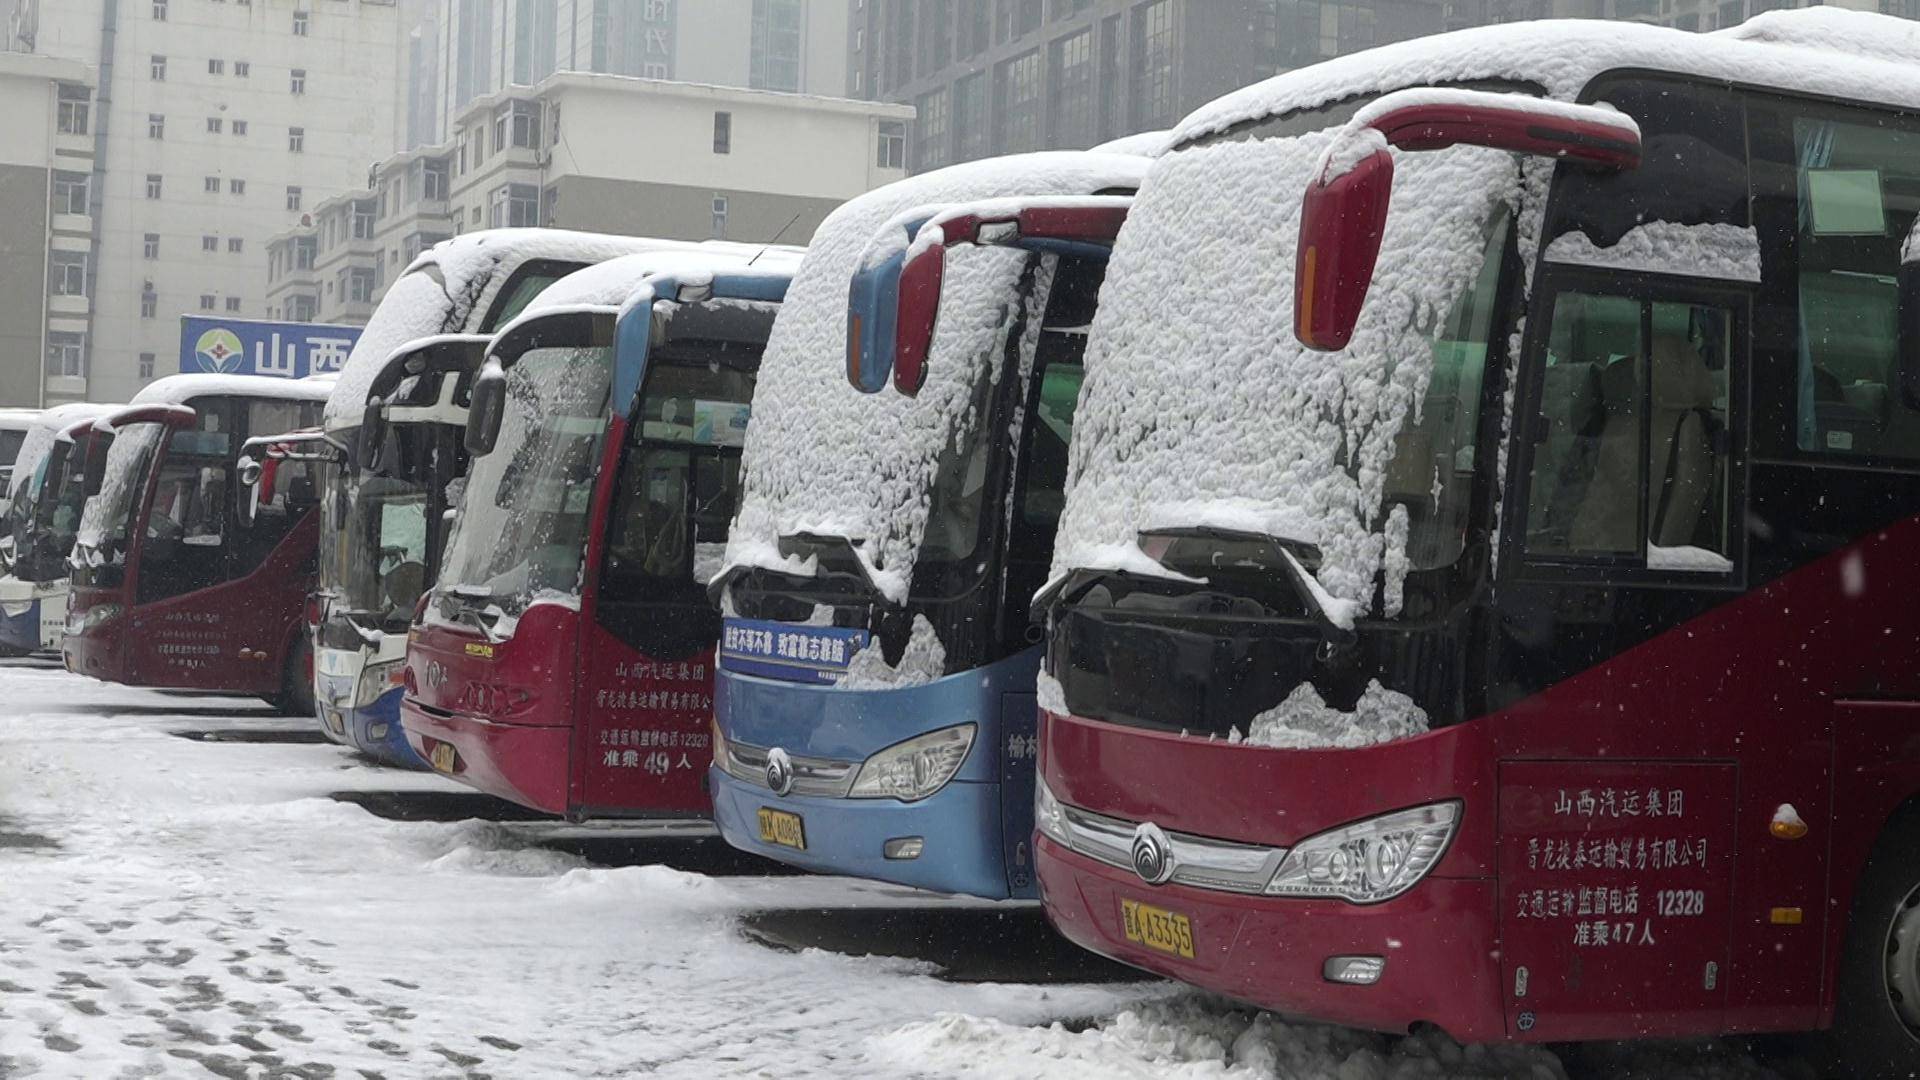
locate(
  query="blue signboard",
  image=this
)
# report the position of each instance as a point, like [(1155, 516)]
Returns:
[(249, 347), (778, 650)]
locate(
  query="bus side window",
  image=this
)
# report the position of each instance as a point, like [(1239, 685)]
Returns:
[(1631, 462)]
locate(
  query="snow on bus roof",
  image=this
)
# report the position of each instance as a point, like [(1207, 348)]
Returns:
[(48, 424), (179, 389), (1867, 57), (446, 285), (1140, 144), (609, 284), (17, 419), (823, 457)]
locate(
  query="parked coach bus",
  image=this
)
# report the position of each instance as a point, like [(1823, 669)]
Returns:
[(173, 584), (14, 425), (40, 525), (875, 712), (1529, 652), (564, 658), (389, 463)]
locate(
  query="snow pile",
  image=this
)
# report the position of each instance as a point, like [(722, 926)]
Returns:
[(1191, 1038), (821, 456), (1727, 252), (1200, 407), (450, 288), (1053, 696), (1697, 560), (40, 438), (1304, 721), (1849, 55), (922, 661), (181, 389)]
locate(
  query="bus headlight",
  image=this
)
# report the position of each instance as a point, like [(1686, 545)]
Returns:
[(376, 680), (93, 618), (1368, 861), (916, 768), (1048, 817)]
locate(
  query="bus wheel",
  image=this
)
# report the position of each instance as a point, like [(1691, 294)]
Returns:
[(296, 682), (1876, 1030)]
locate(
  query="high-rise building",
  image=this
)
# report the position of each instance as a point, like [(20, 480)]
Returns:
[(46, 221), (484, 46), (211, 118)]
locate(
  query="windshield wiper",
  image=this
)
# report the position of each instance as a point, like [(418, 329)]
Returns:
[(839, 551), (468, 611), (1332, 615)]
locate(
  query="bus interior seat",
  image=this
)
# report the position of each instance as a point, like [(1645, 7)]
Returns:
[(1683, 470), (404, 584), (1606, 516), (1570, 404)]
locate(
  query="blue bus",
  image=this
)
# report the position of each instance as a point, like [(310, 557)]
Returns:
[(874, 713)]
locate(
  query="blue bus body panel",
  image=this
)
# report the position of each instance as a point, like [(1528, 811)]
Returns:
[(375, 731), (977, 829), (20, 634)]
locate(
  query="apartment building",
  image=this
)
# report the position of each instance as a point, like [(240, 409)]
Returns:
[(600, 153), (215, 125), (46, 221)]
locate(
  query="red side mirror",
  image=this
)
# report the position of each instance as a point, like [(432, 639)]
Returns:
[(1341, 224), (919, 313)]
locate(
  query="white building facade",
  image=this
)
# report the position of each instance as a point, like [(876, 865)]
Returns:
[(46, 220), (218, 125), (598, 153)]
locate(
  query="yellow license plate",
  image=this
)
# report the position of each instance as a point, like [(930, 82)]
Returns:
[(780, 827), (442, 757), (1157, 928)]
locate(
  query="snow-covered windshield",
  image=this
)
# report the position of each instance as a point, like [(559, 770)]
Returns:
[(520, 533), (1202, 414), (104, 524)]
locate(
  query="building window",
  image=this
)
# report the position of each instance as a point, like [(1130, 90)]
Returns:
[(146, 365), (359, 285), (892, 150), (150, 246), (719, 217), (216, 67), (236, 187), (67, 355), (206, 301), (300, 19), (775, 35), (70, 192), (297, 140), (212, 185), (157, 68), (233, 303), (69, 276), (934, 135), (242, 69), (723, 133), (1153, 49), (433, 181), (239, 127), (235, 245), (75, 103), (153, 185), (303, 308), (293, 198), (363, 219), (159, 10), (156, 126), (209, 243), (215, 125), (305, 250), (971, 134), (1018, 89), (517, 124), (299, 80), (149, 304), (514, 206), (1072, 91)]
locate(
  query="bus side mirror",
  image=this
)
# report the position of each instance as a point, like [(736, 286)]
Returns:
[(94, 474), (488, 405), (371, 438), (1342, 222), (1908, 334), (873, 302), (919, 313)]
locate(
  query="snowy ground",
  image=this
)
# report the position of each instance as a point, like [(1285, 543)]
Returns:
[(205, 907)]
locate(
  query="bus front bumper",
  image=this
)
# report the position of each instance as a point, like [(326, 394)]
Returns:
[(19, 627), (375, 730), (524, 764), (958, 829), (1440, 960)]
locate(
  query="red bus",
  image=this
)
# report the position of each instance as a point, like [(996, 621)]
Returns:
[(176, 583), (564, 658), (1523, 649)]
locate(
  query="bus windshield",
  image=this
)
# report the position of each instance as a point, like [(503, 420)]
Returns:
[(1359, 462), (376, 560), (523, 521), (103, 531)]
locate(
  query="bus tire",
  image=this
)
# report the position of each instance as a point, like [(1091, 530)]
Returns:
[(296, 682), (1876, 1028)]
